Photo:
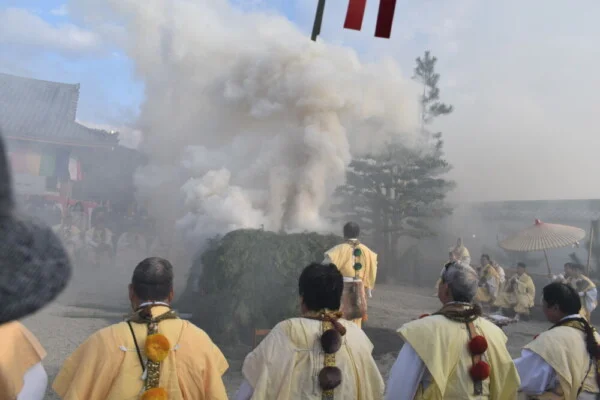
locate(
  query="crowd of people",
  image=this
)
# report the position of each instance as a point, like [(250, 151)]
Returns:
[(106, 236), (516, 296), (454, 353)]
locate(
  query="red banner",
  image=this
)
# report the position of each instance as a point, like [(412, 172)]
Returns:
[(385, 18), (355, 14)]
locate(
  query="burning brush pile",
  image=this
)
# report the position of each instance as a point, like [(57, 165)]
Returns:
[(248, 279)]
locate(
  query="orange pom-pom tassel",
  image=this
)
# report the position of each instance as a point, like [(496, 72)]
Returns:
[(424, 315), (155, 394), (478, 345), (157, 347), (480, 371)]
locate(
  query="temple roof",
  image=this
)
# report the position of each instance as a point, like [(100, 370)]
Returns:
[(44, 111)]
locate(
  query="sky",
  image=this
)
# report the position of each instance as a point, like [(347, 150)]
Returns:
[(520, 75)]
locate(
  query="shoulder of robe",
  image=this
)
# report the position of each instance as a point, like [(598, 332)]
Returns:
[(424, 325), (491, 327), (191, 330), (367, 249)]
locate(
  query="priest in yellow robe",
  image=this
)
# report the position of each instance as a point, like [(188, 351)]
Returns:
[(518, 293), (562, 362), (489, 282), (317, 355), (154, 351), (585, 287), (454, 353), (355, 261)]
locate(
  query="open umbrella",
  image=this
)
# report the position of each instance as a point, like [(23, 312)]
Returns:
[(541, 237)]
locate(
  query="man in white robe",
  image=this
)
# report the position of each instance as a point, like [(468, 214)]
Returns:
[(287, 363), (433, 361), (557, 363)]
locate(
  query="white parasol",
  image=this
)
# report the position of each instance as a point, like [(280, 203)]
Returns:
[(541, 237)]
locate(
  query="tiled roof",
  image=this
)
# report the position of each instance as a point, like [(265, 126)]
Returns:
[(32, 109)]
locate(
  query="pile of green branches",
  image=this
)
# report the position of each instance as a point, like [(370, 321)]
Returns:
[(248, 279)]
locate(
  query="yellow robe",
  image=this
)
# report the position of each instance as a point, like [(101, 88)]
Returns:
[(572, 281), (106, 366), (522, 298), (442, 346), (342, 256), (286, 363), (563, 348), (489, 273), (19, 351)]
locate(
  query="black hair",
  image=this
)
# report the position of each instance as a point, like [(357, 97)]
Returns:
[(486, 256), (351, 230), (321, 286), (564, 296), (153, 279), (522, 265), (569, 303), (569, 265)]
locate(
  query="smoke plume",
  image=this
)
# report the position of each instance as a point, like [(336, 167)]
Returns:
[(246, 121)]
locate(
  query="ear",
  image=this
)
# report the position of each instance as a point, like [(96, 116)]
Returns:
[(171, 296)]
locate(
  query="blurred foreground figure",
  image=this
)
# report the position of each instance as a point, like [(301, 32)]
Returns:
[(154, 353), (286, 364), (358, 265), (454, 353), (561, 363), (34, 269), (518, 293)]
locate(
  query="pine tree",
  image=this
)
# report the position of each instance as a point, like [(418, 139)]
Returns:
[(393, 194)]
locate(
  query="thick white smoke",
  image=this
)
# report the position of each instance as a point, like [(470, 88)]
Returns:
[(246, 121)]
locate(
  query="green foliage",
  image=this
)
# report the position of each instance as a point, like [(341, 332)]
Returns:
[(249, 280), (426, 75), (396, 192)]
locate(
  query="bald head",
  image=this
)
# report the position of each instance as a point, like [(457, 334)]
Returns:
[(153, 280)]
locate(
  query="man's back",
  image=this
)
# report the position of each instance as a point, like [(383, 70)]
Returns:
[(343, 257), (441, 344), (107, 365), (286, 363)]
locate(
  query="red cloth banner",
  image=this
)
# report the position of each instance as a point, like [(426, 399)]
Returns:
[(355, 14), (385, 18)]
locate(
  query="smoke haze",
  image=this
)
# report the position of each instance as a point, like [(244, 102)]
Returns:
[(246, 121)]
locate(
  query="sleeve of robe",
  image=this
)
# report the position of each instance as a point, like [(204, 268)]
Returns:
[(35, 382), (591, 298), (406, 375), (536, 375), (89, 372), (200, 374), (372, 272), (245, 391), (271, 363)]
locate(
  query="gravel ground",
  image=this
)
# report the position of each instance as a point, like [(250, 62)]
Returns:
[(61, 327)]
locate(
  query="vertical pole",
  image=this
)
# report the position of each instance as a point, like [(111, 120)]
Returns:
[(318, 20), (547, 263), (590, 249)]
